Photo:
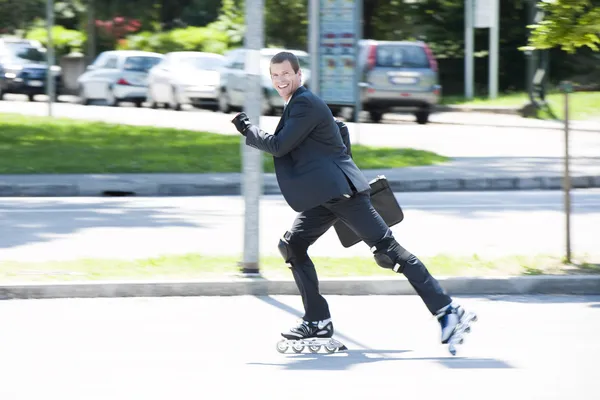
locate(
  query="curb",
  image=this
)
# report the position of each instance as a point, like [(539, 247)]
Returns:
[(194, 188), (482, 109), (547, 284)]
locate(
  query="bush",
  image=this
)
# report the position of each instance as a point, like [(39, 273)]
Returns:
[(182, 39), (65, 41)]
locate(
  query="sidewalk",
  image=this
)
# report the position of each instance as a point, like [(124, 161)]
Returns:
[(506, 117), (462, 174)]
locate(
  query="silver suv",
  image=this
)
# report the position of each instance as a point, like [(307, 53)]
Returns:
[(398, 74)]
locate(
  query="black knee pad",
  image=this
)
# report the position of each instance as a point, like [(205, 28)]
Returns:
[(389, 254), (293, 248)]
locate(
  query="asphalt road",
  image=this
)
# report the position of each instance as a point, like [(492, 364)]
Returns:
[(467, 223), (484, 135), (522, 347)]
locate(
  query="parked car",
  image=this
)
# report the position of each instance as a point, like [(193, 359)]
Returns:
[(116, 76), (398, 74), (233, 79), (24, 68), (186, 77)]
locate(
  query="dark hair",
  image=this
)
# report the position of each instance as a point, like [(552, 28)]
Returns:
[(286, 56)]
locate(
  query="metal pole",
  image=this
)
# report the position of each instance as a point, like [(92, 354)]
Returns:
[(567, 180), (530, 53), (91, 32), (314, 8), (494, 45), (252, 158), (358, 10), (50, 55), (469, 48)]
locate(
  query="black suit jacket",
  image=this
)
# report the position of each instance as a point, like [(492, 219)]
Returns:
[(312, 163)]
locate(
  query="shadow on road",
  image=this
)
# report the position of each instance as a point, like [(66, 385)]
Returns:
[(543, 299), (344, 360), (349, 358), (49, 220)]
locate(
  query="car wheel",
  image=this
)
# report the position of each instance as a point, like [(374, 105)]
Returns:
[(150, 98), (175, 104), (83, 100), (422, 117), (375, 116), (224, 106), (111, 99)]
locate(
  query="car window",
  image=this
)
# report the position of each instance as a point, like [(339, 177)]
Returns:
[(390, 56), (304, 61), (111, 63), (140, 63), (205, 63), (100, 60), (25, 52)]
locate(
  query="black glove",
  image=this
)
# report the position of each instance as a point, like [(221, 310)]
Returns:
[(241, 122)]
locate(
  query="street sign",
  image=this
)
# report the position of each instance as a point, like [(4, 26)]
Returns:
[(482, 14), (338, 50), (484, 11)]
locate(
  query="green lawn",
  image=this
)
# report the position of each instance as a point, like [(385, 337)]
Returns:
[(195, 266), (51, 145), (582, 105)]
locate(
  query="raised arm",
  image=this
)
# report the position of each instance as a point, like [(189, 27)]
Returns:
[(298, 125)]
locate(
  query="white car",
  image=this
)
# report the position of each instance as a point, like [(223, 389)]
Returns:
[(186, 77), (116, 76)]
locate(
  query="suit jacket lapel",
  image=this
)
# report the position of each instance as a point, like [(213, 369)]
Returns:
[(286, 110)]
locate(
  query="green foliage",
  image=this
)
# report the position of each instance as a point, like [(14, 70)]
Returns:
[(286, 24), (65, 41), (441, 24), (568, 24), (16, 16), (231, 22), (182, 39)]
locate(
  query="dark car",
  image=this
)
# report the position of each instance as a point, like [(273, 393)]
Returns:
[(23, 68)]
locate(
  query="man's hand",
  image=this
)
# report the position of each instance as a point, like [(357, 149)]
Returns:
[(241, 122)]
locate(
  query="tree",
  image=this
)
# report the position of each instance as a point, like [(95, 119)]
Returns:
[(20, 15), (568, 24)]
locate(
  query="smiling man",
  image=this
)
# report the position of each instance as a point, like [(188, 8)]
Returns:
[(319, 179)]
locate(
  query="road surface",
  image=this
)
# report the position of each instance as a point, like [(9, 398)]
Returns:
[(522, 347), (457, 223)]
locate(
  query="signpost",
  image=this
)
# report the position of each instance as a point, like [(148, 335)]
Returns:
[(50, 90), (252, 158), (482, 14), (567, 87)]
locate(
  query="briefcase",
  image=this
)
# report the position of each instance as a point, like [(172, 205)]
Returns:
[(384, 201)]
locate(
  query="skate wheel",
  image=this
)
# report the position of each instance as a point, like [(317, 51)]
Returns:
[(297, 347), (282, 346), (330, 348), (314, 348), (452, 350)]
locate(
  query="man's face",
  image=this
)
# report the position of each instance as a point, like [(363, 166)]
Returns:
[(284, 79)]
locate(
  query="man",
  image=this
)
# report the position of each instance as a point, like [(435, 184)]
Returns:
[(319, 179)]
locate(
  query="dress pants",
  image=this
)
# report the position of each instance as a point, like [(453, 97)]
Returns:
[(358, 213)]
